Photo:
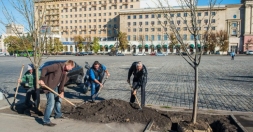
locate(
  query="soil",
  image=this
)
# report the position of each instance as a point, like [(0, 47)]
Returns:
[(122, 112)]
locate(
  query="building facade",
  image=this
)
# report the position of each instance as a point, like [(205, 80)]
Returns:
[(247, 24)]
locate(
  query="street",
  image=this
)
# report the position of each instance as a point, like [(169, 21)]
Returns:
[(224, 84)]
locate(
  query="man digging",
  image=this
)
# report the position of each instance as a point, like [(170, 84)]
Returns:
[(140, 73), (55, 77)]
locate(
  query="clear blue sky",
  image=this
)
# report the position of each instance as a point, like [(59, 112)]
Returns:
[(16, 15)]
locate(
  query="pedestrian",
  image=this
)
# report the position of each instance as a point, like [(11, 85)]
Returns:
[(140, 73), (28, 81), (232, 55), (55, 77), (96, 73)]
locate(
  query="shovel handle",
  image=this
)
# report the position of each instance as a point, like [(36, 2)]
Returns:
[(58, 95), (20, 75), (135, 96)]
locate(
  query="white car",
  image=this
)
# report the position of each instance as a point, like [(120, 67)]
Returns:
[(139, 54), (2, 54), (160, 54), (249, 52)]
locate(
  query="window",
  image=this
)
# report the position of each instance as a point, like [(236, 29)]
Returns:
[(129, 30), (234, 24), (171, 15), (140, 29), (206, 13), (213, 28), (185, 14), (109, 32), (185, 28), (165, 37), (192, 37), (152, 22), (165, 22), (140, 16), (206, 21), (84, 15), (178, 14), (128, 37), (199, 21), (159, 16), (159, 29), (185, 36), (134, 17), (110, 13), (234, 32), (159, 23), (109, 26), (185, 21), (134, 38), (165, 29), (146, 23), (159, 37), (140, 38), (178, 28), (146, 29), (153, 16), (131, 6), (146, 37), (115, 19), (171, 22), (152, 37), (199, 13), (128, 17), (134, 30), (152, 29), (213, 13), (140, 23), (128, 23), (104, 14), (178, 22), (146, 16), (213, 21), (134, 23)]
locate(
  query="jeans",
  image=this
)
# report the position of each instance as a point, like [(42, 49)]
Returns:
[(94, 89), (30, 92), (135, 86), (53, 102)]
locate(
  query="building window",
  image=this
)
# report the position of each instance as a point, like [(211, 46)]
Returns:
[(134, 17), (109, 32), (140, 29), (159, 23), (171, 22), (128, 23), (153, 16), (146, 23), (159, 16), (199, 13), (140, 16), (213, 20), (165, 37), (178, 14), (140, 23), (206, 21), (159, 37), (234, 32), (128, 37), (185, 21), (131, 6), (146, 37), (213, 13), (178, 22), (192, 37), (199, 21), (152, 37), (185, 28), (129, 30), (213, 28), (146, 16), (134, 23), (152, 29), (178, 28), (134, 30), (146, 29), (185, 36), (165, 22), (171, 15), (134, 38), (234, 24), (206, 13), (159, 29), (152, 23), (165, 29), (185, 14), (128, 17)]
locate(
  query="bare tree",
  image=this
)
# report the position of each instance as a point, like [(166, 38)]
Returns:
[(223, 40), (187, 12), (36, 19)]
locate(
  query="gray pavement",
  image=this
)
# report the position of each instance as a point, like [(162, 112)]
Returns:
[(223, 84)]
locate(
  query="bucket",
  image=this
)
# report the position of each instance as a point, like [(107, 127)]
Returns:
[(1, 96)]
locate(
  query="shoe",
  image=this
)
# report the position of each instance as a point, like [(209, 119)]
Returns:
[(49, 124), (61, 117)]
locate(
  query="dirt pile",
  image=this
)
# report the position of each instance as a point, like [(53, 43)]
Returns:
[(118, 111)]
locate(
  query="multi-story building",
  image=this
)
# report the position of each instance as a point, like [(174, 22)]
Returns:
[(87, 18), (11, 30)]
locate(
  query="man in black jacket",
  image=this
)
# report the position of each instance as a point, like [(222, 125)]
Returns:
[(140, 79)]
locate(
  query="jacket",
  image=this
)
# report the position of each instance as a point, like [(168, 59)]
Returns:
[(140, 76), (53, 75), (30, 79), (97, 74)]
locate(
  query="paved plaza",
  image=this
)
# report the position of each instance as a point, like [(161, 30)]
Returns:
[(223, 84)]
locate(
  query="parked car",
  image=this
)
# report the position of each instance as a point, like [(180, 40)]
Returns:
[(120, 54), (160, 54), (183, 53), (75, 75), (139, 54), (68, 53), (249, 52), (2, 54), (82, 53), (90, 53), (217, 52), (152, 53)]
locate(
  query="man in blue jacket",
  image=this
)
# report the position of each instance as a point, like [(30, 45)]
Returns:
[(96, 74)]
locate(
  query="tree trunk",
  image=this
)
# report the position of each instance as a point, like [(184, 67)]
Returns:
[(195, 102)]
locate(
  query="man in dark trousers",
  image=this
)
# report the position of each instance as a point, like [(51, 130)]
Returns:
[(55, 77), (96, 73), (140, 79)]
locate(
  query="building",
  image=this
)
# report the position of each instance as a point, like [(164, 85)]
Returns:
[(87, 18), (11, 30)]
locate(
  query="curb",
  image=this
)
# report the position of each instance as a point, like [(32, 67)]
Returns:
[(238, 123)]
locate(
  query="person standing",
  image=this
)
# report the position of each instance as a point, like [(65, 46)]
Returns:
[(140, 73), (96, 73), (55, 77), (28, 81), (232, 55)]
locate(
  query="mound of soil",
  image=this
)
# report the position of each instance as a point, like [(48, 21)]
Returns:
[(118, 111)]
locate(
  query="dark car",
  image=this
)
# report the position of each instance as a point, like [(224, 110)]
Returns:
[(68, 53), (82, 53), (120, 54), (75, 75), (90, 53)]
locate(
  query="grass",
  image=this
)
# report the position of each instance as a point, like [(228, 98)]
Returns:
[(166, 107)]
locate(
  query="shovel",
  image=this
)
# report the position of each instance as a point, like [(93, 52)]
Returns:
[(20, 75), (75, 106), (96, 94), (136, 97)]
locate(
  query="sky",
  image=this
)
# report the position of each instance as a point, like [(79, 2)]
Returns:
[(144, 4)]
